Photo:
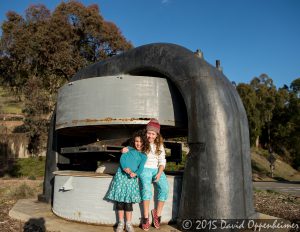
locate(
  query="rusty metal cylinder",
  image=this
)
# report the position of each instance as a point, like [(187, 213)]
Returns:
[(118, 100)]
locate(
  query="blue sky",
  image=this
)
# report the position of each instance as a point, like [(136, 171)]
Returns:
[(250, 37)]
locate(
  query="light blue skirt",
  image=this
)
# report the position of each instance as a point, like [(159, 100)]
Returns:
[(123, 188)]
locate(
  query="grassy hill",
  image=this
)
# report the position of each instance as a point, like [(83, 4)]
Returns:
[(261, 167), (10, 111), (8, 103)]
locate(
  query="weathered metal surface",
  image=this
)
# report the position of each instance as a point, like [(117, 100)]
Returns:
[(120, 99), (217, 178), (90, 148), (80, 197)]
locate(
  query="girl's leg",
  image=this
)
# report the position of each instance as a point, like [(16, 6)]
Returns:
[(146, 204), (163, 192), (146, 189), (145, 219), (146, 192), (121, 215), (163, 189), (128, 212), (160, 206), (128, 216), (121, 223), (120, 208)]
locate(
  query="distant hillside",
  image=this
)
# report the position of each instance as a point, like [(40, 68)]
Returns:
[(9, 103), (261, 167), (10, 111)]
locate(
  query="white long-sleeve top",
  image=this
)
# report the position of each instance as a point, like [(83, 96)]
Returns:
[(154, 160)]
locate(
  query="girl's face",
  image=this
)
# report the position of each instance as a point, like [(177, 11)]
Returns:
[(138, 143), (151, 136)]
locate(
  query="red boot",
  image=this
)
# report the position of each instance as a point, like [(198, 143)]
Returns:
[(145, 224), (155, 218)]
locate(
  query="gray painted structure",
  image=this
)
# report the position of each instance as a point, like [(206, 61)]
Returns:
[(117, 100), (217, 178), (79, 196)]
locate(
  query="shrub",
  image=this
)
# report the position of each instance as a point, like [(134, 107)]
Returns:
[(23, 191)]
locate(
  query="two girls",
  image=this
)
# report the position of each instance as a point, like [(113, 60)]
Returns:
[(153, 174), (124, 188)]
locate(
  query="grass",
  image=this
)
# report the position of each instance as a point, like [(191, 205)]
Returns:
[(14, 189), (22, 191), (32, 168), (260, 151), (8, 102), (261, 165), (272, 191), (268, 191), (11, 109), (258, 166), (257, 190), (172, 166)]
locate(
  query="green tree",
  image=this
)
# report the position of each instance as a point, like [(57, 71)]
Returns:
[(280, 124), (36, 111), (49, 48), (295, 86), (249, 99), (265, 92), (273, 116), (294, 112), (285, 131), (55, 46)]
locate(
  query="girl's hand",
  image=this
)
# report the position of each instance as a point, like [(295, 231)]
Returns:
[(124, 149), (157, 177), (132, 175), (127, 170)]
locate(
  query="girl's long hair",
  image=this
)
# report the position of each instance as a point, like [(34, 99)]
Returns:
[(142, 135), (159, 141)]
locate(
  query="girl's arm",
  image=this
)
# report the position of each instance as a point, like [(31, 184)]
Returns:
[(123, 163), (160, 171), (162, 157), (142, 164), (132, 174), (125, 150), (161, 163), (123, 157)]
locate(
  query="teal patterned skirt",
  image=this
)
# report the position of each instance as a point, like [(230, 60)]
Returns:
[(123, 188)]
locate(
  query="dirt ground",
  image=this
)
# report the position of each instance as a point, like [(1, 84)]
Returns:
[(10, 191), (267, 202), (279, 205)]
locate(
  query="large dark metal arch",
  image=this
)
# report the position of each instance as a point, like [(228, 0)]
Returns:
[(217, 178)]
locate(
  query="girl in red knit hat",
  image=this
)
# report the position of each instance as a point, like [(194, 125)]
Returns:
[(153, 173)]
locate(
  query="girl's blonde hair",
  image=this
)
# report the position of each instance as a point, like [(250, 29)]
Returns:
[(159, 141)]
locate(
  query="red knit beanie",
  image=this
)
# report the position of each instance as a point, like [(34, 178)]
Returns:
[(153, 125)]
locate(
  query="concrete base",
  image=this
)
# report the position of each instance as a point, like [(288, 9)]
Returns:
[(33, 211)]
